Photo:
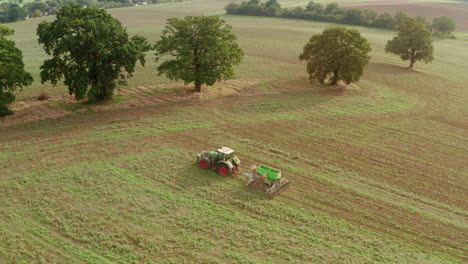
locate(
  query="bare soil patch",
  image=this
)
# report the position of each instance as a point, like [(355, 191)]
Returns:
[(32, 110)]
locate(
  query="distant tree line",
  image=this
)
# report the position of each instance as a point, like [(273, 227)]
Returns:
[(14, 10), (335, 14)]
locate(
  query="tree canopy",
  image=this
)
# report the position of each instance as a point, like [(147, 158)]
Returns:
[(12, 73), (200, 49), (413, 42), (444, 25), (332, 12), (90, 49), (12, 13), (336, 54)]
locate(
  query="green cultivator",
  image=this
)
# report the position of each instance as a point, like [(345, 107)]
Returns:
[(267, 178), (226, 163)]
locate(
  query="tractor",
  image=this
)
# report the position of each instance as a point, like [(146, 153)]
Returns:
[(226, 163), (223, 161)]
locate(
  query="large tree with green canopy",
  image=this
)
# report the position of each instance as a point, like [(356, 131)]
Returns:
[(198, 49), (413, 42), (90, 49), (336, 54), (12, 73), (444, 25)]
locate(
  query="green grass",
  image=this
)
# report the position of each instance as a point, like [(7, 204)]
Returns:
[(378, 170)]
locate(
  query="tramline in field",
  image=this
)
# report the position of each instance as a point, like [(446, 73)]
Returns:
[(226, 163)]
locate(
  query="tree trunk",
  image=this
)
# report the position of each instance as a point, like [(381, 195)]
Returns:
[(412, 59), (197, 86), (197, 74), (336, 77)]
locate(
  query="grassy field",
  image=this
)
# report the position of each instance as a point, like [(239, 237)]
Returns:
[(379, 169)]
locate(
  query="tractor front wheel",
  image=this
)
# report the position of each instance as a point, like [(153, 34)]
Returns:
[(204, 163), (224, 170)]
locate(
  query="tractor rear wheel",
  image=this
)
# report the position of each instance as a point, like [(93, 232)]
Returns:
[(204, 163), (224, 170)]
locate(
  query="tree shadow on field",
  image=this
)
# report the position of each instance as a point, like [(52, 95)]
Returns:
[(390, 69), (313, 88), (196, 178)]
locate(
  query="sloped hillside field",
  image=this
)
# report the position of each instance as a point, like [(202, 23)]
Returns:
[(379, 168)]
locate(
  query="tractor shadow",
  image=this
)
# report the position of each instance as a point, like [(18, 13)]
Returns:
[(194, 176)]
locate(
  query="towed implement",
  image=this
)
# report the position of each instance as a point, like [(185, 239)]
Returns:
[(268, 179), (226, 163)]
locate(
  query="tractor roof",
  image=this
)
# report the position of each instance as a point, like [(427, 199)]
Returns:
[(225, 150)]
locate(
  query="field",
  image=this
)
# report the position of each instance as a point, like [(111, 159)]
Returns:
[(429, 9), (379, 168)]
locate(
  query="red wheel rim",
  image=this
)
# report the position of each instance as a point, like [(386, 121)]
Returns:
[(204, 164), (223, 170)]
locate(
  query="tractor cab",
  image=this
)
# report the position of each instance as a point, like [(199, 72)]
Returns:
[(226, 153)]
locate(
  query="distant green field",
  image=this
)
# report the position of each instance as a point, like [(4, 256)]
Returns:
[(378, 169)]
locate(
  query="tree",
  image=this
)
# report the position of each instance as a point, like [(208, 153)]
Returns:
[(271, 3), (36, 13), (399, 16), (15, 13), (231, 8), (369, 17), (425, 22), (385, 21), (336, 54), (314, 7), (41, 6), (12, 73), (90, 49), (202, 48), (272, 8), (413, 42), (444, 25), (331, 8), (354, 17)]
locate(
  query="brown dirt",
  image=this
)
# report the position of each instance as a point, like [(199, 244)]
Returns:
[(33, 110)]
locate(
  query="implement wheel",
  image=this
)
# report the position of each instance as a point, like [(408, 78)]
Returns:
[(204, 163), (224, 170)]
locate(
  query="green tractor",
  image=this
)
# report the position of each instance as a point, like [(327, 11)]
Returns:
[(223, 161), (226, 163)]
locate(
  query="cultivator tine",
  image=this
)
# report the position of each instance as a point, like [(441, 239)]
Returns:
[(278, 187)]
